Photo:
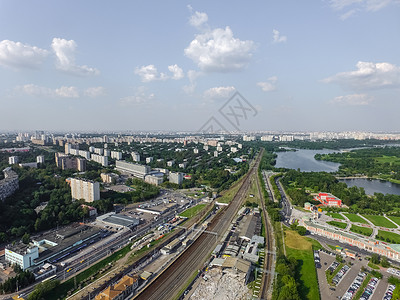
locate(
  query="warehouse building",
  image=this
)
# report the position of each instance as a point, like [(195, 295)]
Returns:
[(118, 220)]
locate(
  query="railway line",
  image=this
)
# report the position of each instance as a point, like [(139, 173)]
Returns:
[(168, 283), (266, 283)]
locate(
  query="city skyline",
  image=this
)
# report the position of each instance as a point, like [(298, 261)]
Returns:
[(326, 66)]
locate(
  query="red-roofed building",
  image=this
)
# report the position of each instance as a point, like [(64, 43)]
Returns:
[(328, 199)]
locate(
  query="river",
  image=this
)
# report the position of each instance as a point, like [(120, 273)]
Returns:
[(304, 160)]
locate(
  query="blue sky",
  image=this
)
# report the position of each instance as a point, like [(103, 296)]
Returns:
[(170, 65)]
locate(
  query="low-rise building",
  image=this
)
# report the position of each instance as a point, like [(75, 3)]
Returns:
[(124, 289), (21, 254), (328, 199), (154, 179)]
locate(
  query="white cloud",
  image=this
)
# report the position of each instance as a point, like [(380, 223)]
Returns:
[(141, 96), (219, 92), (277, 37), (368, 75), (94, 92), (67, 92), (18, 55), (218, 51), (192, 76), (357, 5), (176, 71), (269, 85), (40, 91), (353, 100), (65, 53), (149, 73), (198, 19)]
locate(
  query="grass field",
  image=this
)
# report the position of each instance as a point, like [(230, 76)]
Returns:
[(335, 215), (389, 237), (380, 221), (300, 248), (388, 159), (191, 212), (395, 219), (355, 218), (337, 224), (361, 230)]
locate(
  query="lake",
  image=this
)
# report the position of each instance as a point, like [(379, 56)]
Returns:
[(304, 160), (372, 186)]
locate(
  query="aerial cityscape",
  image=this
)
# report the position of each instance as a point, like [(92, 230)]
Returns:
[(200, 150)]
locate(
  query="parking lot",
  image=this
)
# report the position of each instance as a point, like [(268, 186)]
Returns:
[(376, 290)]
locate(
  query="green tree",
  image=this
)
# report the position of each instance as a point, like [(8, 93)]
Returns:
[(26, 238)]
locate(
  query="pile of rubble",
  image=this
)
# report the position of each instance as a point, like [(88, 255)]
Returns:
[(221, 285)]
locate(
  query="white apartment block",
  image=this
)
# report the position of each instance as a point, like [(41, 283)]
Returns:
[(136, 170), (85, 189), (103, 160), (176, 177), (116, 155), (9, 184), (99, 151), (149, 160), (12, 160), (40, 159), (152, 179), (135, 156)]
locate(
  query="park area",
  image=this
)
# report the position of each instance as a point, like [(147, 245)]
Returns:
[(381, 221), (355, 218), (301, 248), (361, 230)]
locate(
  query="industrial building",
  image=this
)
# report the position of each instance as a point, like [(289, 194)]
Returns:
[(85, 189), (9, 184), (118, 220), (139, 171)]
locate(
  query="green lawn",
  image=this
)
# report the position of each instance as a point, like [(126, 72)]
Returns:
[(389, 237), (191, 212), (395, 219), (388, 159), (361, 230), (335, 215), (337, 224), (355, 218), (300, 248), (380, 221)]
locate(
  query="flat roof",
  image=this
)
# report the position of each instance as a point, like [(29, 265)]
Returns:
[(122, 220), (62, 244)]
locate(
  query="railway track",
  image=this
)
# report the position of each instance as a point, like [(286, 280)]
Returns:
[(266, 286), (170, 282)]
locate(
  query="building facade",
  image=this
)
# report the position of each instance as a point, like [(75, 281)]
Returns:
[(85, 189), (9, 184), (136, 170), (21, 254)]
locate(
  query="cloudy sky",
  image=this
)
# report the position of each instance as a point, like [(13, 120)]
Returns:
[(171, 65)]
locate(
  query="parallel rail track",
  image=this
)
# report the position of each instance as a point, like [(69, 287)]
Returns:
[(269, 258), (168, 283)]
